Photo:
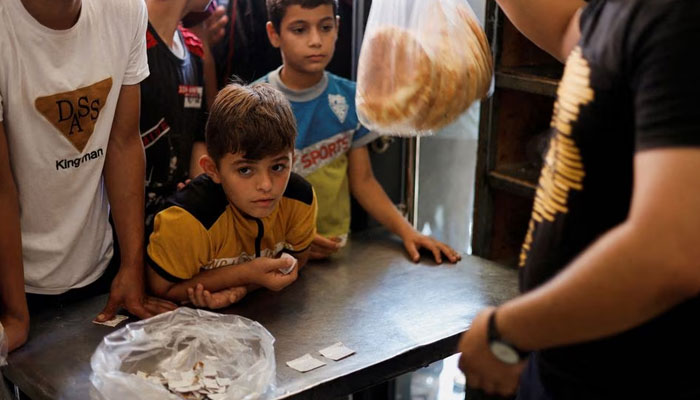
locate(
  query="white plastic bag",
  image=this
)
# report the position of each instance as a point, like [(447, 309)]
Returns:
[(422, 64), (3, 347), (238, 348)]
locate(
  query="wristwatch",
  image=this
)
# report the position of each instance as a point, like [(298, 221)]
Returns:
[(500, 348)]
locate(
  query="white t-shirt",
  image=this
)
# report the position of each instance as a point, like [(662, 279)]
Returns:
[(58, 94)]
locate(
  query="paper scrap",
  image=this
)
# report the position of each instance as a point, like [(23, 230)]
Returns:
[(210, 383), (305, 363), (112, 322), (188, 377), (171, 376), (288, 270), (156, 380), (185, 389), (343, 240), (223, 381), (209, 371), (193, 384), (179, 384), (336, 351)]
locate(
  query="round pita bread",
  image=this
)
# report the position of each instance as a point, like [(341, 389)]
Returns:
[(409, 84), (394, 78)]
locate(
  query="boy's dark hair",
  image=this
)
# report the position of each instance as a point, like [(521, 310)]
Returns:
[(255, 120), (277, 8)]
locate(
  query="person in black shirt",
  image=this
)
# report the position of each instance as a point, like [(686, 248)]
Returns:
[(610, 266), (173, 102)]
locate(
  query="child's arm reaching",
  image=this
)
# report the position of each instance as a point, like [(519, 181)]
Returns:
[(373, 199), (263, 271)]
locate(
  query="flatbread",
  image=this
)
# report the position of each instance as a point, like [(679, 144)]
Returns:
[(395, 78)]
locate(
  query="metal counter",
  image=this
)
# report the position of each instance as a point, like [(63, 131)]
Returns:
[(398, 316)]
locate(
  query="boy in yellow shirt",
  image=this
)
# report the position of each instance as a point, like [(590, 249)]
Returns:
[(226, 230), (331, 144)]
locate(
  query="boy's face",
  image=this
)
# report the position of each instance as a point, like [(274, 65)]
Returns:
[(254, 186), (306, 37)]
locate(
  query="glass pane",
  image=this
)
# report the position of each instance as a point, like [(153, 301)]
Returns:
[(446, 181), (447, 162)]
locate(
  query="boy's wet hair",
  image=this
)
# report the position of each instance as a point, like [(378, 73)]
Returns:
[(276, 9), (255, 120)]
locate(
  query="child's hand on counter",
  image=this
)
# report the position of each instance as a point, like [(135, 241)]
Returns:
[(413, 241)]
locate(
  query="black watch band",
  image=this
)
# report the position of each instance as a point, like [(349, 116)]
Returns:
[(494, 337)]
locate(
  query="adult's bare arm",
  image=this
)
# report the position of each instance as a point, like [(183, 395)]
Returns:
[(553, 25), (13, 303), (637, 271), (124, 173)]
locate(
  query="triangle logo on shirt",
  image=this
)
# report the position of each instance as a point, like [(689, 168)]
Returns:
[(339, 106), (75, 113)]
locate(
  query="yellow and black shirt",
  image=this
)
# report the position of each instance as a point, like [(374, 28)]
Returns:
[(200, 229)]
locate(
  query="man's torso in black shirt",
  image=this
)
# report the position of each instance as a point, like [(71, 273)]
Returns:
[(630, 85)]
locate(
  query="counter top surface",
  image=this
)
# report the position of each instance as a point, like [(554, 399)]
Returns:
[(398, 316)]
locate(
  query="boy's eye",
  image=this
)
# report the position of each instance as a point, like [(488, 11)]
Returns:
[(245, 170), (279, 167), (327, 28), (298, 30)]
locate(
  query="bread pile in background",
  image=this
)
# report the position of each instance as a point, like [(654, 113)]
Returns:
[(417, 81)]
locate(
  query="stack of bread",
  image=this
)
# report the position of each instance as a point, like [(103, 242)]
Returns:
[(412, 82)]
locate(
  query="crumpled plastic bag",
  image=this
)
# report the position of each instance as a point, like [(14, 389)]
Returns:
[(3, 347), (177, 340), (422, 64)]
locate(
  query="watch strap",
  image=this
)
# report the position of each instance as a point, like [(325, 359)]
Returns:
[(494, 335)]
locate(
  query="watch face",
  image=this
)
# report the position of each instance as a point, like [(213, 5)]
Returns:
[(504, 353)]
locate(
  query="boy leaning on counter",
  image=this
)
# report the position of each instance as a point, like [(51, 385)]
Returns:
[(226, 231)]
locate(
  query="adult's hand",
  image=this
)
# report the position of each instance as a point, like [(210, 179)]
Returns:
[(128, 292), (482, 369)]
